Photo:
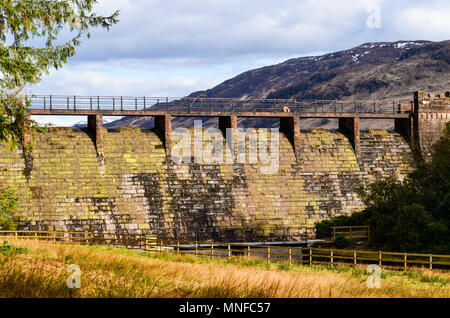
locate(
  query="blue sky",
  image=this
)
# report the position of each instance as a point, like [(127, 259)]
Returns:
[(175, 47)]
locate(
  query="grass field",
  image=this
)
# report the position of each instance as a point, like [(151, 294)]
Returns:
[(39, 269)]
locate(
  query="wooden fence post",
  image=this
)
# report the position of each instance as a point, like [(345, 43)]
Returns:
[(405, 260), (379, 258), (212, 250), (331, 257), (290, 256), (196, 249), (229, 251), (431, 261), (248, 251), (178, 247), (268, 254), (310, 257), (354, 257)]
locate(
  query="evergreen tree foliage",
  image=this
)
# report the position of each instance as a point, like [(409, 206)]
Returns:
[(23, 23)]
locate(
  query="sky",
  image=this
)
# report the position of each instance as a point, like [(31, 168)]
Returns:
[(176, 47)]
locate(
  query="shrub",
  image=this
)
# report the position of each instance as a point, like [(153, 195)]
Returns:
[(341, 242), (324, 228), (8, 204), (7, 249)]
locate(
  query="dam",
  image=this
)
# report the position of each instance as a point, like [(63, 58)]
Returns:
[(122, 180)]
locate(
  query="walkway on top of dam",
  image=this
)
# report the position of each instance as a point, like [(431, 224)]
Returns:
[(215, 107)]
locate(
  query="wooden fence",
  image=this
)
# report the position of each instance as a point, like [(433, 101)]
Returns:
[(352, 232), (283, 254)]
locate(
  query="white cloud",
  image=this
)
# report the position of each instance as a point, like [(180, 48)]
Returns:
[(424, 22)]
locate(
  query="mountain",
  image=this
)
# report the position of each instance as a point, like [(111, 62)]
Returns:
[(371, 71)]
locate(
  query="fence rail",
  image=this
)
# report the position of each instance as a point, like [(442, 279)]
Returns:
[(352, 232), (191, 104), (285, 254)]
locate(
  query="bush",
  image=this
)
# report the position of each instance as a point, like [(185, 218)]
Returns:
[(8, 250), (341, 242), (8, 204), (324, 228)]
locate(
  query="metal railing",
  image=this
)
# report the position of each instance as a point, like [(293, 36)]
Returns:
[(268, 233), (210, 105), (282, 254)]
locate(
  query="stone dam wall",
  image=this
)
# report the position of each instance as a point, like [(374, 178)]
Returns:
[(64, 187)]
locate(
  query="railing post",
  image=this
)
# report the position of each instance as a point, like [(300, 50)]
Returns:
[(98, 102), (50, 102), (121, 103), (167, 103), (290, 256), (90, 102), (68, 103), (310, 256), (114, 103), (135, 104), (45, 106), (144, 102), (74, 103)]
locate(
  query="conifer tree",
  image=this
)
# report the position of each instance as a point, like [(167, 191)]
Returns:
[(29, 49)]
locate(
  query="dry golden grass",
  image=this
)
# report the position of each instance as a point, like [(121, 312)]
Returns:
[(41, 271)]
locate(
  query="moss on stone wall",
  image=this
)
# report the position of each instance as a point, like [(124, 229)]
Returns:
[(138, 190)]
